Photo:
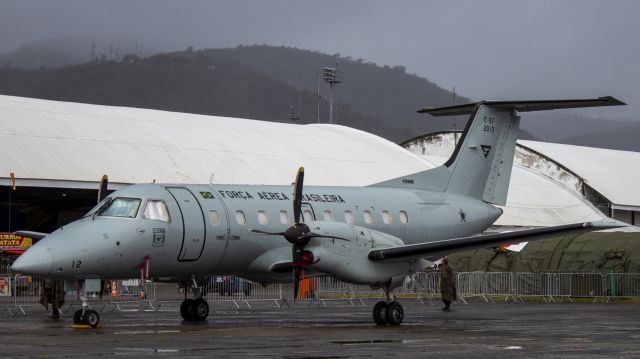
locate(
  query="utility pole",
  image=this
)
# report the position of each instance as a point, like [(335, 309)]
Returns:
[(93, 50), (318, 95)]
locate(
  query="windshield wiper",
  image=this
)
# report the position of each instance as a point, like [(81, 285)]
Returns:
[(100, 209)]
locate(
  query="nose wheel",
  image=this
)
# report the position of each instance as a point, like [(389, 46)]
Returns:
[(86, 317)]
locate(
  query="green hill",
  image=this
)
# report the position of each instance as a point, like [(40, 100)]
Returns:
[(252, 82)]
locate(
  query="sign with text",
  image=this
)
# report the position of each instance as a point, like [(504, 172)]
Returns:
[(12, 242)]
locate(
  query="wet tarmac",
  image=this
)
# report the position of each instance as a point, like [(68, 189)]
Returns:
[(340, 330)]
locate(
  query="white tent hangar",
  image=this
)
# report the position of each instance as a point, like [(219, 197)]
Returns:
[(62, 145)]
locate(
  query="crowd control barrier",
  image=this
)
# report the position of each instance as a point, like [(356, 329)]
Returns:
[(20, 294)]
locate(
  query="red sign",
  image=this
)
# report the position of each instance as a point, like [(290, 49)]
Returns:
[(10, 242)]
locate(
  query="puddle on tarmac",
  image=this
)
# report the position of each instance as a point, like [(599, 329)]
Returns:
[(149, 350), (134, 332), (351, 342)]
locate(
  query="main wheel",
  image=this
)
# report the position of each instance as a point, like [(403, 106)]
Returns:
[(91, 318), (199, 310), (185, 310), (380, 313), (395, 313)]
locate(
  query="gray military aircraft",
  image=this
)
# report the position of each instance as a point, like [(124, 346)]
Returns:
[(374, 235)]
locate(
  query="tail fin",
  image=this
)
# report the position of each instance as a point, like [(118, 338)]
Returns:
[(480, 165)]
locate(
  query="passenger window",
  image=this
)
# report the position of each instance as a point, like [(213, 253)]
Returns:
[(121, 207), (214, 217), (240, 218), (156, 210), (386, 217), (308, 215), (262, 218), (328, 216), (404, 217), (284, 217), (348, 217), (368, 217)]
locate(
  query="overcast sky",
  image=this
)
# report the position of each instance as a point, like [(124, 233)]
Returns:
[(487, 49)]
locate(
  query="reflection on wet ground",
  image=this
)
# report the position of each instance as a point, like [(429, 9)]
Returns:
[(566, 330)]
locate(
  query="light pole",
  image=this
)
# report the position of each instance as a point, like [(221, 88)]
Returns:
[(331, 76)]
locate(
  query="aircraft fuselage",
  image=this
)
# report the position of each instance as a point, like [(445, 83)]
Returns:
[(208, 227)]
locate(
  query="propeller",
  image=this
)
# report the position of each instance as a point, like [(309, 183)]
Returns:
[(298, 235), (102, 190)]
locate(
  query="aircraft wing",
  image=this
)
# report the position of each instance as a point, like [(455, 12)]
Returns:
[(438, 249)]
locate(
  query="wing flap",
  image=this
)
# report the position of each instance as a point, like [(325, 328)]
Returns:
[(434, 250)]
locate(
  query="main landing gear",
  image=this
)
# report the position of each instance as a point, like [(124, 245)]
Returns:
[(194, 309), (388, 312)]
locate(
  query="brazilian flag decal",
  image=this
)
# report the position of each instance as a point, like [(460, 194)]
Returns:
[(206, 195)]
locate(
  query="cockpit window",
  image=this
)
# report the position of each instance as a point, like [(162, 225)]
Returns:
[(97, 208), (121, 207), (156, 210)]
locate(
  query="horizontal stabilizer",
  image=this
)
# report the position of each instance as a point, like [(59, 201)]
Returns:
[(523, 106), (439, 249)]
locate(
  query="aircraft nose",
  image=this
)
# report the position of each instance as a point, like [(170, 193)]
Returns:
[(36, 261)]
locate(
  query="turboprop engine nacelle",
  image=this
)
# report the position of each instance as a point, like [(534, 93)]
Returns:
[(343, 252)]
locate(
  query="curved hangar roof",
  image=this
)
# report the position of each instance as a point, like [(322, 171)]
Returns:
[(63, 144), (614, 174)]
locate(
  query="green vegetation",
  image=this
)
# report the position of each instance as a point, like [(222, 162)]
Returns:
[(259, 82)]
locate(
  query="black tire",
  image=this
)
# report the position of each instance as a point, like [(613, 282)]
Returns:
[(199, 310), (185, 310), (77, 317), (91, 317), (380, 313), (395, 313)]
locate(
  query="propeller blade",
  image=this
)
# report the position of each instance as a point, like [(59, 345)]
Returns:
[(296, 254), (102, 190), (297, 195), (310, 235), (265, 232)]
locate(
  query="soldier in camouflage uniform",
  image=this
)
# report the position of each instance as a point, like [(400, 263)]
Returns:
[(53, 292), (447, 284)]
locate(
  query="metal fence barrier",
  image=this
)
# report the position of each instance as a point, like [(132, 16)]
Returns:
[(19, 293)]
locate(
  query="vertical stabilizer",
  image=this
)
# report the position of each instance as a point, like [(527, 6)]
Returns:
[(480, 166)]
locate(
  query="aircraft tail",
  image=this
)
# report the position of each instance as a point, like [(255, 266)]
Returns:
[(481, 163)]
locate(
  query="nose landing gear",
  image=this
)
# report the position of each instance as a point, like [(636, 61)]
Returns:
[(83, 317)]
